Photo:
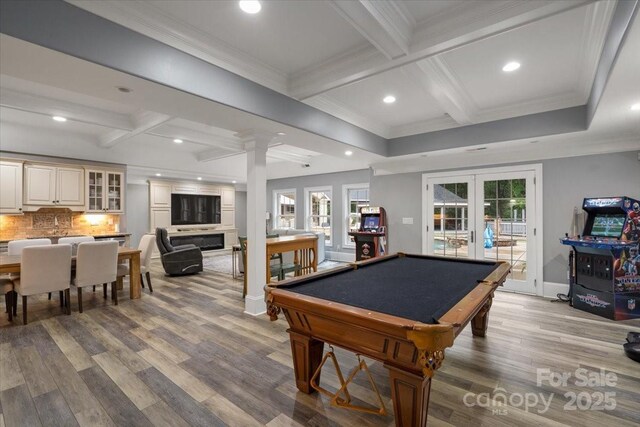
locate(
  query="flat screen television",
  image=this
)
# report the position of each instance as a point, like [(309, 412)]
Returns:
[(608, 225), (190, 209)]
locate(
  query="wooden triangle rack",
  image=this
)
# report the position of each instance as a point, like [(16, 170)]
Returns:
[(342, 398)]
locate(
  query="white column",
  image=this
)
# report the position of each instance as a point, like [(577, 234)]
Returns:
[(256, 145)]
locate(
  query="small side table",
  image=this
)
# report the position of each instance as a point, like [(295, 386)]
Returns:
[(235, 253)]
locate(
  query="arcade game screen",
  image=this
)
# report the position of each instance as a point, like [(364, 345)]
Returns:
[(608, 225), (371, 223)]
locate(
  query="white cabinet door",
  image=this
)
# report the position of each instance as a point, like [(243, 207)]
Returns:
[(228, 197), (160, 218), (228, 218), (70, 187), (105, 191), (160, 195), (40, 185), (230, 238), (10, 187)]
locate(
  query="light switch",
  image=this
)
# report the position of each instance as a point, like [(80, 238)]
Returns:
[(407, 220)]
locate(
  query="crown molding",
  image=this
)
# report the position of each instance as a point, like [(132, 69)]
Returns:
[(423, 126), (337, 109), (456, 28), (553, 148), (532, 106), (594, 33), (150, 21), (37, 104)]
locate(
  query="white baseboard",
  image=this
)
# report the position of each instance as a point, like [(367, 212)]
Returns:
[(552, 289), (340, 256), (255, 306)]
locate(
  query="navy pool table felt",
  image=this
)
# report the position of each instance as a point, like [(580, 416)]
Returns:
[(415, 288)]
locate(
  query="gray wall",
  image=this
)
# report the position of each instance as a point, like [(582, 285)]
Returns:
[(566, 182), (241, 212), (335, 181), (401, 197), (137, 212)]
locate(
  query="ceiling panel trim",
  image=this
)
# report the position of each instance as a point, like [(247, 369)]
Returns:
[(621, 21), (66, 28)]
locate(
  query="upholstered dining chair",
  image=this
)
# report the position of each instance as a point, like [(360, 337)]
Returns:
[(96, 263), (15, 247), (43, 269), (146, 249), (6, 287), (74, 241)]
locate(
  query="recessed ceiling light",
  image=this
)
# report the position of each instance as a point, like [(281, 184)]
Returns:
[(199, 178), (281, 133), (59, 119), (348, 153), (178, 141), (124, 89), (234, 181), (389, 99), (635, 107), (511, 66), (158, 174), (250, 6)]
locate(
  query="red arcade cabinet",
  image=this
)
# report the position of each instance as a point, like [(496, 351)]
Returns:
[(371, 239)]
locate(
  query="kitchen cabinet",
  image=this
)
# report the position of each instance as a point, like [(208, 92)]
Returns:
[(228, 197), (105, 191), (10, 187), (160, 195), (54, 186)]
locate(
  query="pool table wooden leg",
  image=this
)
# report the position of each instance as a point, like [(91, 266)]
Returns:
[(480, 321), (307, 356), (410, 394)]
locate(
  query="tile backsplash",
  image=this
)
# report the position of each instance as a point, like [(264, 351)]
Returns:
[(55, 221)]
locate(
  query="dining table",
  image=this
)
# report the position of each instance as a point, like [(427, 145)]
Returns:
[(11, 264)]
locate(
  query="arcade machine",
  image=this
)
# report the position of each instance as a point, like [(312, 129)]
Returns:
[(606, 278), (371, 239)]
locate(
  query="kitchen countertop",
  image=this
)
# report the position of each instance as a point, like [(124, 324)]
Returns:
[(57, 236)]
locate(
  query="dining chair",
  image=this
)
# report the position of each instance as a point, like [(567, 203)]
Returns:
[(96, 263), (43, 269), (278, 267), (6, 287), (15, 247), (74, 241), (146, 249)]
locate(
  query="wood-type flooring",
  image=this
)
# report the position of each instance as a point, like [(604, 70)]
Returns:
[(187, 355)]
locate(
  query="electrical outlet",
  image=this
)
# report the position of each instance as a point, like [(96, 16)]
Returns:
[(408, 221)]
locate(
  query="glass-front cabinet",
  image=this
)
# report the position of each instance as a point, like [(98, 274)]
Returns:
[(105, 191)]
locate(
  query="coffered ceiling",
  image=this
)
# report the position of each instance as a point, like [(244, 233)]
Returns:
[(441, 60)]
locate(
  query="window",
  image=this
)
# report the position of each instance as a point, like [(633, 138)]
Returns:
[(318, 210), (284, 209), (355, 196)]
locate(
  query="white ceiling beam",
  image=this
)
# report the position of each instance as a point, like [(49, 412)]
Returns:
[(385, 24), (197, 137), (143, 122), (215, 154), (289, 157), (55, 107), (438, 81), (469, 23)]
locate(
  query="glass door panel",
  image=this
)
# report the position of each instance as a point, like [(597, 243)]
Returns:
[(451, 207), (114, 192), (507, 198), (96, 180)]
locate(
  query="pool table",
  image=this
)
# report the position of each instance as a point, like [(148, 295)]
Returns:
[(400, 309)]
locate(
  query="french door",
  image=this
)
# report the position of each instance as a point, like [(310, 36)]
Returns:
[(485, 215)]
